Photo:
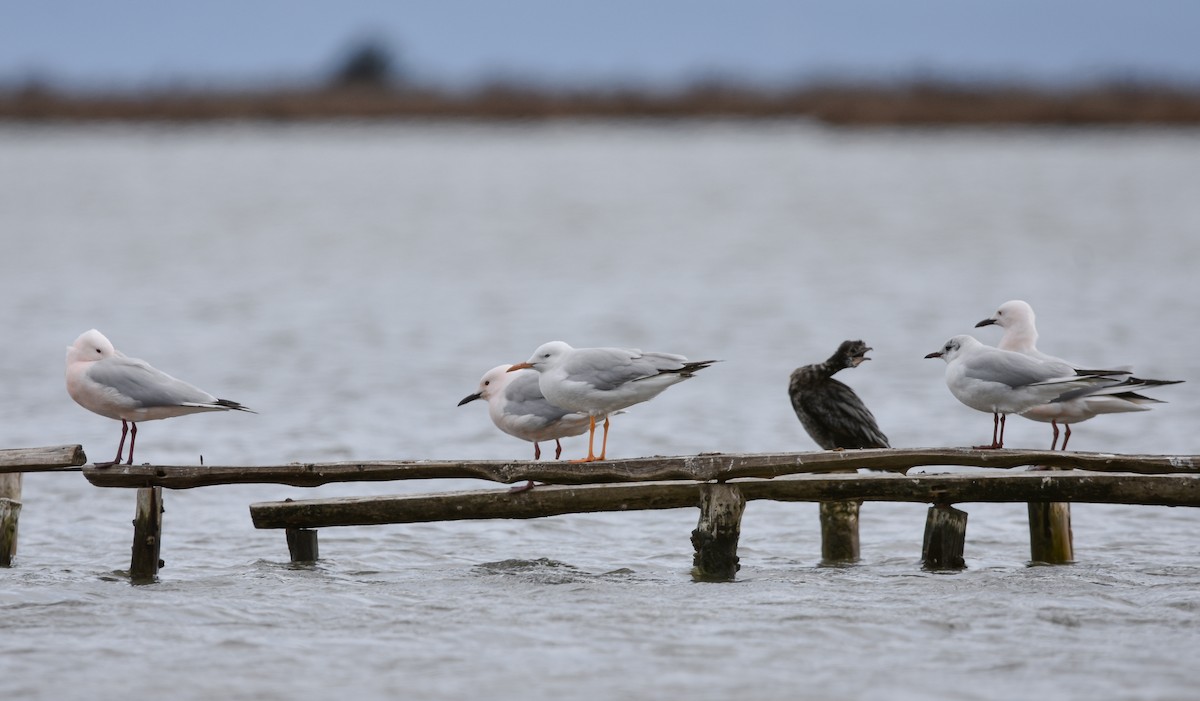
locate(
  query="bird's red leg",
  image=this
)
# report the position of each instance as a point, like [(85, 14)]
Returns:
[(591, 438), (537, 451), (1066, 437), (604, 444), (1053, 443), (120, 447), (995, 427), (132, 440), (557, 449), (1003, 420)]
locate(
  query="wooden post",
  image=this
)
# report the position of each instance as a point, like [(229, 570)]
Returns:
[(945, 536), (716, 536), (302, 544), (1050, 539), (839, 532), (10, 511), (147, 536)]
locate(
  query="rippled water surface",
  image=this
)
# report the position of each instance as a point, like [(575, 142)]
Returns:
[(351, 283)]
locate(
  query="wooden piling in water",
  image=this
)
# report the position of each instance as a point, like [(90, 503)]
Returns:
[(716, 536), (302, 545), (839, 532), (1050, 537), (147, 535), (10, 512), (945, 538)]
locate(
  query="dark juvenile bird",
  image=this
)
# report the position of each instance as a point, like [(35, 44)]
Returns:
[(830, 411)]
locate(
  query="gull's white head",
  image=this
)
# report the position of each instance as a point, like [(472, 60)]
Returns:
[(954, 348), (492, 383), (89, 347), (1014, 314), (547, 355)]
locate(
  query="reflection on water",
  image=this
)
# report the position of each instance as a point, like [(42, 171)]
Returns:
[(351, 283)]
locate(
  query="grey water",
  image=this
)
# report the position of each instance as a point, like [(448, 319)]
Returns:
[(351, 282)]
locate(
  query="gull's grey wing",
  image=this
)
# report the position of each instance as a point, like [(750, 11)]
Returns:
[(1012, 369), (144, 386), (525, 399), (609, 368)]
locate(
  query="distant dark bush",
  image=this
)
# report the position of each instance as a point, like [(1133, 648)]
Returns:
[(367, 65)]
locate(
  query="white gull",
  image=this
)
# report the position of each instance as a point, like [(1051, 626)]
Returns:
[(1002, 382), (601, 381), (104, 380), (1017, 319)]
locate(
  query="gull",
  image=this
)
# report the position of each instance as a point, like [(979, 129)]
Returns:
[(601, 381), (103, 380), (518, 408), (1002, 382), (830, 411), (1017, 319)]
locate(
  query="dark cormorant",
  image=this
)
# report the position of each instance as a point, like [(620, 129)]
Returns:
[(831, 412)]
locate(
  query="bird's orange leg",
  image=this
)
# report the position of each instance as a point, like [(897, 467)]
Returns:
[(591, 438), (604, 443)]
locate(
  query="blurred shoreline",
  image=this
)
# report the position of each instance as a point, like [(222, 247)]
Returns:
[(912, 104)]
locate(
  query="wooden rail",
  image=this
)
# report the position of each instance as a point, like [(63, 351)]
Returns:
[(720, 484), (1165, 490), (54, 458), (696, 468), (13, 463)]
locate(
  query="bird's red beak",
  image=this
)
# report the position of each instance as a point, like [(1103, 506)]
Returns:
[(936, 354)]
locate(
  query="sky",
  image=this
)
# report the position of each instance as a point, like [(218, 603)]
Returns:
[(136, 43)]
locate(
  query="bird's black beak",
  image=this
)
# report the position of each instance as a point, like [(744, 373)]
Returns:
[(935, 354), (985, 322), (470, 398)]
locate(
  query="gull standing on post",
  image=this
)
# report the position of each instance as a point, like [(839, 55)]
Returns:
[(831, 412), (1017, 319), (1002, 382), (601, 381), (103, 380)]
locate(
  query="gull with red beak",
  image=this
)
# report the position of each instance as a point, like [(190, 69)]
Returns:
[(601, 381), (1017, 319), (1002, 382)]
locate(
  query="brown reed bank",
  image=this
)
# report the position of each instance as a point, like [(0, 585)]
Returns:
[(914, 104)]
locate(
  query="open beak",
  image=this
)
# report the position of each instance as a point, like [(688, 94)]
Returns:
[(860, 358), (470, 398), (935, 354), (985, 322), (520, 366)]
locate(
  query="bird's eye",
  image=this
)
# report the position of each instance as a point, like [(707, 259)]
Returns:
[(97, 350), (546, 355), (486, 383)]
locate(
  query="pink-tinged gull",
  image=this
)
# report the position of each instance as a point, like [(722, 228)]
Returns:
[(104, 380)]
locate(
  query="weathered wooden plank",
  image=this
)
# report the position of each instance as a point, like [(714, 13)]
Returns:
[(41, 459), (945, 538), (302, 545), (715, 539), (549, 500), (839, 532), (10, 513), (1050, 539), (700, 468), (147, 536)]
